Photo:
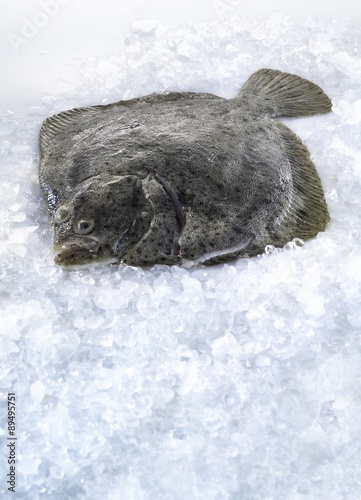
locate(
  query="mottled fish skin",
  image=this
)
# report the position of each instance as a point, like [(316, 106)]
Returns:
[(177, 177)]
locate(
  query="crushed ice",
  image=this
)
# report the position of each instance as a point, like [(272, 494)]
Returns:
[(239, 381)]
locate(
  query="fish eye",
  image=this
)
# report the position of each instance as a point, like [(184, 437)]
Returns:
[(84, 227), (62, 214)]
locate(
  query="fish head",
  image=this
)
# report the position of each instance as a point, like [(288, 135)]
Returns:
[(101, 220)]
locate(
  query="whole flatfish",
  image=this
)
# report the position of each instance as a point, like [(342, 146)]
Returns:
[(177, 177)]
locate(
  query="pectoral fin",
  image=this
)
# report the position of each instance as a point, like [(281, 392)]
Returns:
[(179, 212)]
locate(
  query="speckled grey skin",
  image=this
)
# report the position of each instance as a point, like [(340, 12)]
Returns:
[(177, 177)]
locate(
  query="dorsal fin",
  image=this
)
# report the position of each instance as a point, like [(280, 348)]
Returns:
[(56, 124), (283, 94)]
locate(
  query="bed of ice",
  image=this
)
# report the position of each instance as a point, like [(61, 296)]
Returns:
[(241, 381)]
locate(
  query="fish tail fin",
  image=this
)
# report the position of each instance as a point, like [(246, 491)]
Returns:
[(283, 94)]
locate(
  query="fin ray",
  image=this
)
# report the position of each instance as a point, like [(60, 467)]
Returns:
[(307, 211), (284, 94)]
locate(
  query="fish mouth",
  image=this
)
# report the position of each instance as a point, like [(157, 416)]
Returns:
[(74, 253)]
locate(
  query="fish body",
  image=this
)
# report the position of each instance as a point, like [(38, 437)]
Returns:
[(177, 177)]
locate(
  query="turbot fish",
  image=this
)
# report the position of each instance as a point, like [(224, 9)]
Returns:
[(183, 177)]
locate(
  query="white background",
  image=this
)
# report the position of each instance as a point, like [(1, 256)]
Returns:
[(38, 50)]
